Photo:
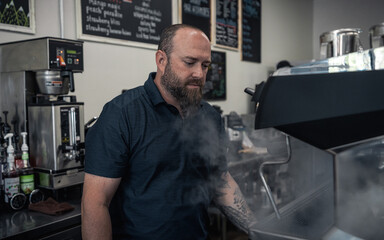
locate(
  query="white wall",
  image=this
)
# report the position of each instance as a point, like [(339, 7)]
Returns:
[(286, 34), (330, 15)]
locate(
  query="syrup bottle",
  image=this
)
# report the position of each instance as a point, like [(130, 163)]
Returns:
[(16, 145), (2, 162), (11, 176), (6, 127), (27, 180)]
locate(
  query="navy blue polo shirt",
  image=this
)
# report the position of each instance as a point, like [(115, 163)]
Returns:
[(168, 165)]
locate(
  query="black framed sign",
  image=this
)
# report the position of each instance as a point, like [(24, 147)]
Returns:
[(227, 29), (197, 14), (17, 15), (215, 86), (133, 20), (251, 34)]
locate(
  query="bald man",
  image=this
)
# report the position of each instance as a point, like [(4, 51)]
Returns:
[(156, 157)]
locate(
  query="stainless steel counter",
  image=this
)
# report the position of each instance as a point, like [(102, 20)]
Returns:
[(27, 224)]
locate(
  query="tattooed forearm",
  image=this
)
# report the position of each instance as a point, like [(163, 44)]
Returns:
[(239, 213), (240, 203), (231, 202)]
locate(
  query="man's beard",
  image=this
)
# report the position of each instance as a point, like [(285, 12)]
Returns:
[(189, 99)]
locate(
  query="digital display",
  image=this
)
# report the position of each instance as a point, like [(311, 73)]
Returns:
[(71, 51)]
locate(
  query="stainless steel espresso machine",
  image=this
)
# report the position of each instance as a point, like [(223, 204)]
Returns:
[(329, 183), (36, 76)]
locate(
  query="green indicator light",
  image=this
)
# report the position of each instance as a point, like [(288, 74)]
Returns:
[(71, 51)]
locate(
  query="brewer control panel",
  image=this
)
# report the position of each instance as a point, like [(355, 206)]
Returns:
[(65, 55)]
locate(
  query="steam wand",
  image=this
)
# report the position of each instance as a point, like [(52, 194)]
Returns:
[(267, 189)]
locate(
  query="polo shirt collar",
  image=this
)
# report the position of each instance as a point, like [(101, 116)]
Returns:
[(152, 90)]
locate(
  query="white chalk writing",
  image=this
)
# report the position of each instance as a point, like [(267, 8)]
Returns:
[(196, 10), (149, 18), (226, 23), (124, 19), (103, 17)]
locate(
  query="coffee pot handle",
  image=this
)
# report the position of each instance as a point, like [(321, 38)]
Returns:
[(69, 74)]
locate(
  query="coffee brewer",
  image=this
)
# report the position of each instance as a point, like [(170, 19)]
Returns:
[(36, 76)]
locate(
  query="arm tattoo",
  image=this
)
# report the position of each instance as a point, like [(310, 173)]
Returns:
[(233, 204), (235, 217), (240, 202)]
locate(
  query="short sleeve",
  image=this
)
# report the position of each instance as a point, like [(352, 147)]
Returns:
[(107, 144)]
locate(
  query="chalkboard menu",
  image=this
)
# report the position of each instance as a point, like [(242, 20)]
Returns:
[(134, 20), (17, 15), (197, 13), (215, 86), (251, 37), (227, 23)]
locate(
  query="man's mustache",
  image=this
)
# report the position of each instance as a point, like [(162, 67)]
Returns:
[(198, 82)]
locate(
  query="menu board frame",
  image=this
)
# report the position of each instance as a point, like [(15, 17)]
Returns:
[(215, 87), (198, 18), (105, 39), (31, 29), (251, 47), (215, 23)]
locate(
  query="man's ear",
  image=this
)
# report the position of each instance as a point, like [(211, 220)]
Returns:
[(161, 60)]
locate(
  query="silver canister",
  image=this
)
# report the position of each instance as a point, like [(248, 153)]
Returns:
[(376, 36), (340, 42), (52, 83)]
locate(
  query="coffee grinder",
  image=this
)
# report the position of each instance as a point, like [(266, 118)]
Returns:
[(36, 76)]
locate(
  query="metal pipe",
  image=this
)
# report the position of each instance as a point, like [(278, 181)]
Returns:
[(267, 189), (72, 132), (72, 126), (61, 14)]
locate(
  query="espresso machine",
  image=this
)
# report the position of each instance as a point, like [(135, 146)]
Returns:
[(36, 76), (328, 182)]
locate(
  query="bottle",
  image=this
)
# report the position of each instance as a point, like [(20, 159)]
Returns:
[(16, 145), (11, 176), (27, 180), (6, 126), (2, 170), (2, 163)]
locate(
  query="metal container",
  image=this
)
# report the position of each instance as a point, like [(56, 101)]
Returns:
[(376, 36), (339, 42), (54, 129), (56, 136), (52, 83)]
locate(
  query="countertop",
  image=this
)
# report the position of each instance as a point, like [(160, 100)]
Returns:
[(26, 224)]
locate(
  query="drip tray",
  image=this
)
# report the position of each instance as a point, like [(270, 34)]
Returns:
[(50, 180)]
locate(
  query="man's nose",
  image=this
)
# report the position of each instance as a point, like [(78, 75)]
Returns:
[(198, 72)]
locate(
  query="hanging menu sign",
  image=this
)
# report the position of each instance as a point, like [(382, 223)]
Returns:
[(134, 20), (227, 23), (215, 85), (197, 13), (251, 36)]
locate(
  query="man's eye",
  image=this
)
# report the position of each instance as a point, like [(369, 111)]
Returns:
[(189, 63)]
